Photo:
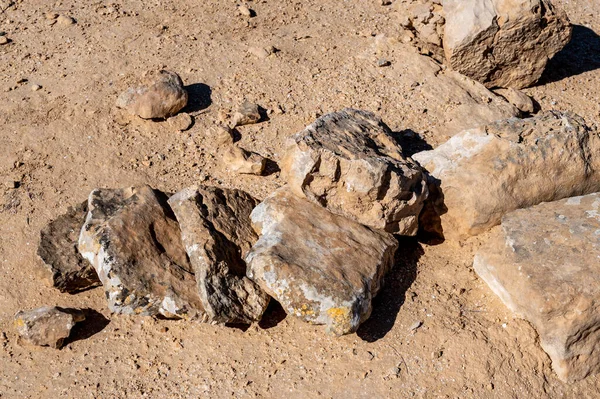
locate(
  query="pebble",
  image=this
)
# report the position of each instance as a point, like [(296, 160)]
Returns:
[(65, 20), (181, 122), (245, 11), (416, 325), (386, 2), (35, 87), (383, 62), (51, 15), (3, 40)]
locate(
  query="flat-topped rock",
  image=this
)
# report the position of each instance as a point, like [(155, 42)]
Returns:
[(321, 267), (543, 264), (348, 163), (487, 172), (134, 243), (217, 234), (47, 326)]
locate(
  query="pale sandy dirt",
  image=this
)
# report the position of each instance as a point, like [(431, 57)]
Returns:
[(66, 139)]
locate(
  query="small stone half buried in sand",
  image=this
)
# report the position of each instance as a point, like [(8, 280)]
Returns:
[(47, 326)]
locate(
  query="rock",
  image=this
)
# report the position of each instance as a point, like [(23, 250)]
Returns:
[(47, 326), (217, 234), (543, 264), (65, 20), (223, 135), (69, 271), (382, 62), (522, 101), (503, 43), (247, 114), (245, 11), (348, 162), (135, 246), (489, 171), (321, 267), (35, 87), (160, 95), (3, 40), (181, 122), (262, 52), (239, 160)]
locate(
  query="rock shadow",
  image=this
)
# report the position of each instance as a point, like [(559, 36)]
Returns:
[(581, 55), (411, 142), (274, 315), (199, 97), (387, 303), (94, 323), (271, 167)]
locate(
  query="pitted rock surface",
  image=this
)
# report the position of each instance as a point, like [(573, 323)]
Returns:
[(134, 243), (543, 264), (217, 234), (348, 162), (321, 267), (47, 326)]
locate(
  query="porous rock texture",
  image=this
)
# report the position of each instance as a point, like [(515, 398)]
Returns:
[(160, 95), (349, 163), (68, 270), (217, 234), (486, 172), (134, 243), (543, 264), (47, 326), (503, 43), (321, 267)]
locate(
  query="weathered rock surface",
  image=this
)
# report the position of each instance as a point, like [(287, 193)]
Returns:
[(321, 267), (47, 326), (247, 114), (490, 171), (503, 43), (69, 271), (239, 160), (135, 246), (543, 263), (160, 95), (217, 234), (522, 101), (348, 162)]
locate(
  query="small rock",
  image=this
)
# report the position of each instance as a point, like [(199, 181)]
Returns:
[(321, 267), (51, 15), (415, 326), (180, 122), (12, 184), (386, 2), (223, 135), (247, 114), (3, 40), (35, 87), (65, 20), (522, 101), (245, 11), (261, 52), (161, 95), (69, 271), (383, 62), (241, 161), (47, 326)]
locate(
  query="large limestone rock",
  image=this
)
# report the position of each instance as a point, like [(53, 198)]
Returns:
[(67, 269), (487, 172), (134, 244), (321, 267), (47, 326), (504, 43), (217, 234), (160, 95), (348, 162), (543, 263)]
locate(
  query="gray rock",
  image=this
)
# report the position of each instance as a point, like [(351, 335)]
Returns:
[(321, 267), (543, 264), (217, 234), (247, 114), (47, 326)]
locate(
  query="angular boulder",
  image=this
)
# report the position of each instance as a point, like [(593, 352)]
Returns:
[(321, 267), (217, 234), (134, 243), (68, 270), (487, 172), (47, 326), (348, 163), (543, 264), (503, 43), (160, 95)]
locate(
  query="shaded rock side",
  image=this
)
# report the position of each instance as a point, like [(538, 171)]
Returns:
[(543, 263), (47, 326), (348, 162), (503, 43), (217, 234), (487, 172), (68, 270), (134, 243), (160, 95), (321, 267)]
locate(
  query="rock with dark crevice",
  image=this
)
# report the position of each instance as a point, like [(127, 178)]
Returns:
[(47, 326)]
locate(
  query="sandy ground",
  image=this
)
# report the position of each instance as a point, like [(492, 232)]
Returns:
[(436, 332)]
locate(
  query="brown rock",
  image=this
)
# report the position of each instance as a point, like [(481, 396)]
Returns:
[(160, 95), (181, 122), (543, 263), (217, 234), (135, 246), (247, 114), (321, 267), (522, 101), (503, 43), (239, 160), (47, 326), (69, 271), (348, 162)]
